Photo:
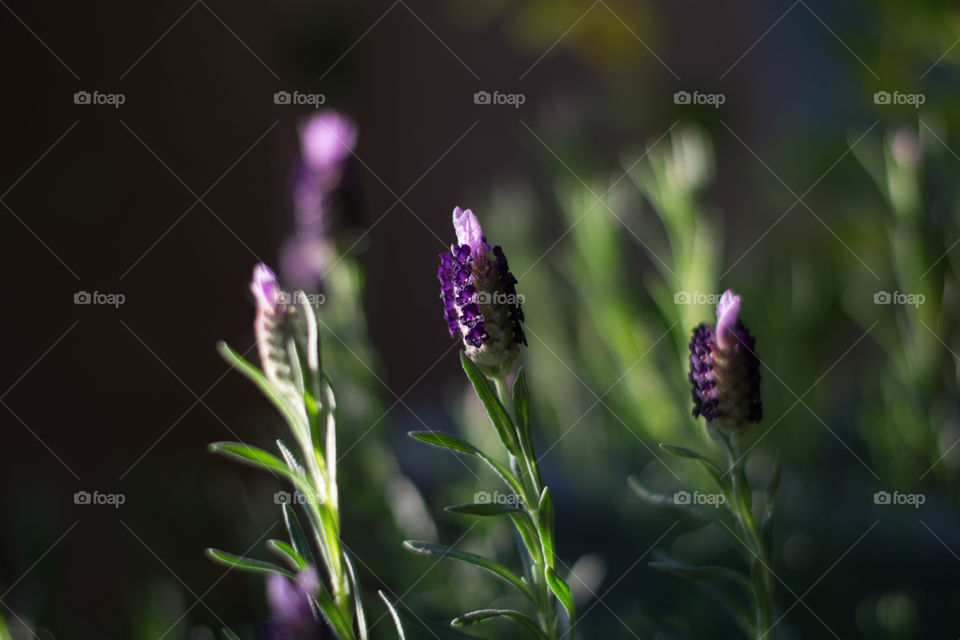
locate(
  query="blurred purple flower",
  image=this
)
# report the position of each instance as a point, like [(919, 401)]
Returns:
[(480, 300), (327, 139), (292, 616), (725, 370)]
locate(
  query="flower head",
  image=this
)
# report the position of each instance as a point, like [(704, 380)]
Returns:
[(725, 370), (480, 298)]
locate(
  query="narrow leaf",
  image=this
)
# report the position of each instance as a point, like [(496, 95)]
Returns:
[(683, 452), (460, 445), (498, 415), (393, 614), (562, 591), (485, 614), (297, 538), (292, 414), (247, 564), (493, 567), (664, 500), (357, 598), (703, 574), (545, 526), (288, 553), (229, 635), (483, 509), (331, 614)]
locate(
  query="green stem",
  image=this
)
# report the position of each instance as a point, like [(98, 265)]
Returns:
[(743, 511), (546, 602)]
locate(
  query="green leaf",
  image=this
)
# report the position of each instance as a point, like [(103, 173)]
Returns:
[(545, 526), (528, 533), (229, 635), (708, 464), (483, 509), (297, 538), (247, 564), (485, 614), (498, 415), (328, 608), (562, 591), (393, 614), (330, 410), (493, 567), (293, 462), (702, 574), (357, 597), (460, 445), (288, 553), (295, 419), (664, 500), (253, 456)]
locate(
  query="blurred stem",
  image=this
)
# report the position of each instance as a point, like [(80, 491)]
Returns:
[(546, 603), (742, 509)]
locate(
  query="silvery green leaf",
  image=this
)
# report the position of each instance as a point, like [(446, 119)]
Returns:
[(460, 445), (296, 561), (545, 526), (493, 567), (664, 500), (357, 597), (297, 538), (229, 635), (485, 614), (703, 574), (484, 509), (247, 564), (562, 591), (393, 614)]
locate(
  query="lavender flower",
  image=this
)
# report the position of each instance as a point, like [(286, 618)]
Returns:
[(725, 370), (480, 300), (326, 141)]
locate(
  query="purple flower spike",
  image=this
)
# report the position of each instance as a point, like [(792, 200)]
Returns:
[(327, 139), (725, 370), (288, 602), (480, 300)]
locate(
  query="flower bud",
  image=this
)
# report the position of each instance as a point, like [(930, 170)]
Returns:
[(480, 300), (725, 370)]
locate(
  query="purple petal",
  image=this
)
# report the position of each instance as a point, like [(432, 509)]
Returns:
[(468, 230), (727, 311), (287, 600), (264, 287)]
